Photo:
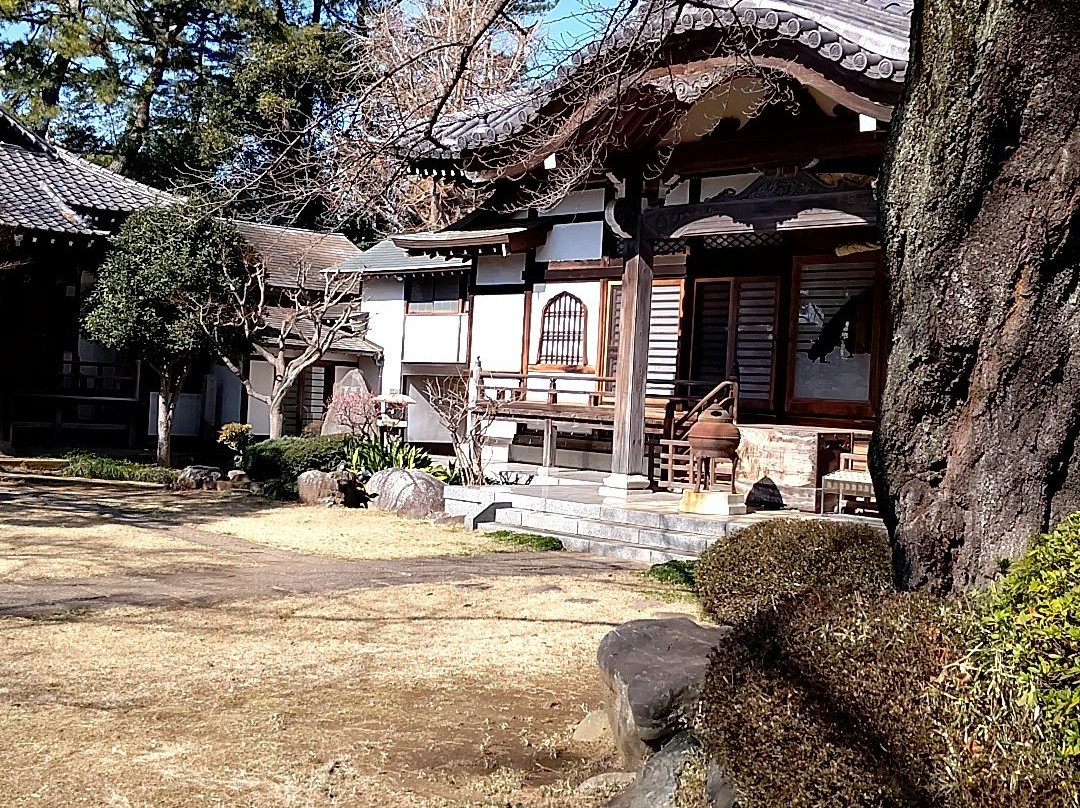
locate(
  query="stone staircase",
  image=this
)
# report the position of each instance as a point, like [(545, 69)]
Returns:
[(647, 528), (646, 534)]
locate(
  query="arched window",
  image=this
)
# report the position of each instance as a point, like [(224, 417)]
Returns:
[(562, 332)]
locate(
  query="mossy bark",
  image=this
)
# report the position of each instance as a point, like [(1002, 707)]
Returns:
[(976, 449)]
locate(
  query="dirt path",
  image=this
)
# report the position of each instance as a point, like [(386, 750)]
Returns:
[(264, 571), (146, 660)]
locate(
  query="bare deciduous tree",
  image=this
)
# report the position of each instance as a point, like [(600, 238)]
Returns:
[(290, 329), (467, 417)]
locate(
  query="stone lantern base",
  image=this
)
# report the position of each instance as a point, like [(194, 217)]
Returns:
[(713, 503)]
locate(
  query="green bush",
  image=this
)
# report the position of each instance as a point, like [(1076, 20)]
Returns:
[(278, 462), (1015, 734), (106, 468), (761, 566), (376, 452), (836, 691)]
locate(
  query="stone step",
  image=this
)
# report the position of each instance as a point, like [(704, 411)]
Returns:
[(609, 548), (640, 518), (682, 543)]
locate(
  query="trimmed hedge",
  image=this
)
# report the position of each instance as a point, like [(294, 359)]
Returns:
[(278, 462), (761, 566), (836, 691), (821, 701)]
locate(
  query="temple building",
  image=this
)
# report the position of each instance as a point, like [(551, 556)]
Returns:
[(59, 390), (690, 201)]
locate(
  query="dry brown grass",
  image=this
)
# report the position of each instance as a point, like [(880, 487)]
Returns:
[(42, 547), (353, 534), (421, 695)]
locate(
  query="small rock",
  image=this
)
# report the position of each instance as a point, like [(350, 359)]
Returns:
[(657, 784), (608, 781), (239, 476), (193, 477), (594, 728), (654, 670), (407, 492)]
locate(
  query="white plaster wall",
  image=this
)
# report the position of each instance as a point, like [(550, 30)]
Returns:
[(737, 183), (498, 324), (261, 376), (679, 195), (423, 425), (435, 338), (384, 301), (187, 418), (591, 201), (582, 241), (496, 269)]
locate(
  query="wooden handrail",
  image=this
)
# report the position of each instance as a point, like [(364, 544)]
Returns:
[(725, 394)]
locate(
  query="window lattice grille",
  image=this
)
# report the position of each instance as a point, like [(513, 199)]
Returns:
[(660, 247), (562, 332), (742, 241)]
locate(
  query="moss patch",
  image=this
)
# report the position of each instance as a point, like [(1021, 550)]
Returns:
[(530, 541)]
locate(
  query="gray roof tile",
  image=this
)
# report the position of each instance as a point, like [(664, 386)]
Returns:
[(43, 187), (294, 257)]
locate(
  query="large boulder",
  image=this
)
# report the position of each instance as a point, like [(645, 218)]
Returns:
[(193, 477), (657, 784), (351, 384), (329, 488), (407, 492), (654, 671), (318, 488)]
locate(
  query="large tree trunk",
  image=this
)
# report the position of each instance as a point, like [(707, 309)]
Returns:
[(277, 417), (976, 450), (139, 124), (166, 409)]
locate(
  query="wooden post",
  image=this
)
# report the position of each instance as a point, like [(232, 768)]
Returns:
[(551, 436), (628, 470)]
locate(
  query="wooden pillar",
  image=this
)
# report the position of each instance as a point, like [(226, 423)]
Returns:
[(628, 467), (551, 437)]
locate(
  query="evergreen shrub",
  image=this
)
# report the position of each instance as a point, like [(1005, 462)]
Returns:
[(278, 462), (1015, 698), (835, 690)]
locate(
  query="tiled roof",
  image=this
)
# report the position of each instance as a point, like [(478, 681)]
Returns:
[(43, 187), (386, 258), (868, 39), (351, 339), (294, 257)]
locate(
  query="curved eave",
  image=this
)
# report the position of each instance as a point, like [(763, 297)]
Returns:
[(855, 50)]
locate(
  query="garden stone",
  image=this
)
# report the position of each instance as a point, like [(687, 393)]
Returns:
[(657, 784), (718, 792), (320, 488), (605, 782), (654, 671), (239, 476), (194, 477), (594, 728), (407, 492)]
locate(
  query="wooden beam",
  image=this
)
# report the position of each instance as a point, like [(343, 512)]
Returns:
[(780, 149)]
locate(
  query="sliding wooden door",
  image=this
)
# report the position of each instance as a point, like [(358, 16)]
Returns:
[(734, 336)]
